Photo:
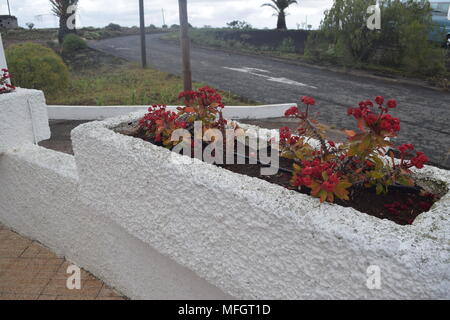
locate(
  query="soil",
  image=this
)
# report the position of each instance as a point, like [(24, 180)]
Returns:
[(400, 205)]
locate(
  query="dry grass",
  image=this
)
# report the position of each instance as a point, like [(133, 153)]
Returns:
[(127, 84)]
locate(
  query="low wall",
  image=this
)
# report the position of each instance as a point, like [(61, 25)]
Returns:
[(40, 199), (253, 239), (104, 112), (271, 39), (155, 230)]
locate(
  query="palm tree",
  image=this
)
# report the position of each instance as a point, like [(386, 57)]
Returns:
[(60, 9), (280, 7)]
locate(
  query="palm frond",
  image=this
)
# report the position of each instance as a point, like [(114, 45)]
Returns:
[(272, 6), (280, 5)]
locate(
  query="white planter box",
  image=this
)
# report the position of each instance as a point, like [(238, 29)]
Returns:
[(253, 239), (23, 118)]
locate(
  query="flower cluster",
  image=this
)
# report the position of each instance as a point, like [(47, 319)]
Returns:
[(160, 123), (333, 168), (204, 105), (5, 86), (418, 161), (322, 178), (381, 122), (286, 137)]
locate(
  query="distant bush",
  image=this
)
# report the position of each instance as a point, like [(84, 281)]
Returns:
[(113, 27), (73, 43), (239, 25), (37, 67), (403, 42), (287, 46)]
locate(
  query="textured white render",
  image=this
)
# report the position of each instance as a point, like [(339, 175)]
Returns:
[(253, 239), (101, 113), (39, 198), (23, 118)]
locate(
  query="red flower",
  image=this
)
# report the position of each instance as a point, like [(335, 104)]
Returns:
[(369, 103), (328, 186), (379, 100), (285, 133), (293, 140), (293, 111), (404, 148), (419, 160), (308, 101), (392, 104), (332, 144), (370, 164), (307, 181)]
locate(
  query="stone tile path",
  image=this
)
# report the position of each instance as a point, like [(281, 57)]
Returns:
[(29, 271)]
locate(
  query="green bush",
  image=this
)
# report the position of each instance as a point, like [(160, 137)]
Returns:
[(402, 43), (287, 46), (113, 27), (34, 66), (73, 43)]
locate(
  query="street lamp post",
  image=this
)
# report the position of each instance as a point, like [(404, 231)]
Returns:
[(143, 45), (185, 45)]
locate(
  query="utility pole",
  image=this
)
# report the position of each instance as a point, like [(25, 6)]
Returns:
[(185, 45), (9, 8), (164, 17), (143, 44)]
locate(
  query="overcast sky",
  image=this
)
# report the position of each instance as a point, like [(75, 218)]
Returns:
[(215, 13)]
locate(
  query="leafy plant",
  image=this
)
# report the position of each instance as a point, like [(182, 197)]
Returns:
[(331, 169), (159, 124), (203, 105)]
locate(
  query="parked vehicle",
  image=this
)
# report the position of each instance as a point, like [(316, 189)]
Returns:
[(441, 17)]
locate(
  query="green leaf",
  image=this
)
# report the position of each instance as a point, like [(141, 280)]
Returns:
[(380, 189)]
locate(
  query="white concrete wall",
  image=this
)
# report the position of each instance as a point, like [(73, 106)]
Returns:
[(23, 118), (101, 113), (121, 209), (253, 239), (39, 198)]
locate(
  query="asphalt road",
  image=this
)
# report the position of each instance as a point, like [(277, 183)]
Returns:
[(425, 113)]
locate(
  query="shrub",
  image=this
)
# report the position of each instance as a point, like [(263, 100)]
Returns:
[(113, 27), (73, 43), (287, 46), (330, 171), (37, 67), (401, 43)]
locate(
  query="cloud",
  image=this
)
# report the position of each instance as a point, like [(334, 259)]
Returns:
[(215, 13)]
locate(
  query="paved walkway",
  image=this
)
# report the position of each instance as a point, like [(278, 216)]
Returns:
[(29, 271)]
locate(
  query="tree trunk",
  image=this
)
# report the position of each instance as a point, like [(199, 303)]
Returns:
[(281, 24), (63, 29)]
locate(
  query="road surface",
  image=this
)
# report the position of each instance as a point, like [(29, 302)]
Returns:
[(425, 113)]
